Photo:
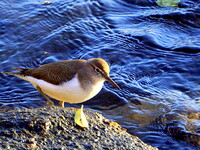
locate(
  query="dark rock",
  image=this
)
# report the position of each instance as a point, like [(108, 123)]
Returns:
[(183, 126), (54, 128)]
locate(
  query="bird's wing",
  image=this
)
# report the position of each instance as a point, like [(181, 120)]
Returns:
[(54, 73)]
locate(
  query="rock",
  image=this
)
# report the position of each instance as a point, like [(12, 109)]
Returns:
[(54, 128), (183, 125), (46, 3)]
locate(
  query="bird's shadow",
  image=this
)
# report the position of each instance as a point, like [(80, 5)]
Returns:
[(104, 100)]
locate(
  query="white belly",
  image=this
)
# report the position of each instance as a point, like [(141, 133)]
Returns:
[(70, 91)]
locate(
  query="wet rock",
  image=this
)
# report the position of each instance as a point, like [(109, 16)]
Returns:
[(184, 127), (54, 128), (46, 3)]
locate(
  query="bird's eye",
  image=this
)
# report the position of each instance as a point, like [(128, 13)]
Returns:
[(97, 70)]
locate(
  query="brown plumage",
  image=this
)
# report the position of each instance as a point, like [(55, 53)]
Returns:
[(54, 73), (87, 76)]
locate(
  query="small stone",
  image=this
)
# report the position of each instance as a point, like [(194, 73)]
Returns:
[(95, 128), (32, 143), (106, 121), (96, 140), (193, 116), (98, 133), (46, 3)]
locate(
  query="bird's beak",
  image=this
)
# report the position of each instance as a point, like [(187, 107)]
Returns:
[(112, 82)]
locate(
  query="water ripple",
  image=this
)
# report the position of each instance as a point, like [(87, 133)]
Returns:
[(153, 53)]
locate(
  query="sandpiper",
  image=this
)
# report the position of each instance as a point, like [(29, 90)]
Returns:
[(72, 81)]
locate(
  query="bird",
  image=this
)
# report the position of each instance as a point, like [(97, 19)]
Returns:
[(71, 81)]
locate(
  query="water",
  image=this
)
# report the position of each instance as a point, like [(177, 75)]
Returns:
[(154, 55)]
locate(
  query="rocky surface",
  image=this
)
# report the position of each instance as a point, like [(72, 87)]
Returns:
[(54, 128)]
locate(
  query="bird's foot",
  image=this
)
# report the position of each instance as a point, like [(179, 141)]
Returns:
[(62, 105), (51, 103)]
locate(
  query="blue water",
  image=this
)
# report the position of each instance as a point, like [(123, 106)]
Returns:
[(154, 53)]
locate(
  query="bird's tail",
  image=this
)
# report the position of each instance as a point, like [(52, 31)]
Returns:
[(11, 73), (18, 74)]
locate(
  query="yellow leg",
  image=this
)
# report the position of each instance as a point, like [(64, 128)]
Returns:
[(51, 103), (62, 105)]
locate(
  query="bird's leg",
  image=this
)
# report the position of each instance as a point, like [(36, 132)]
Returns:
[(51, 103), (61, 103)]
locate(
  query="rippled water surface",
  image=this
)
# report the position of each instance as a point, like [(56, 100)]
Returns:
[(154, 53)]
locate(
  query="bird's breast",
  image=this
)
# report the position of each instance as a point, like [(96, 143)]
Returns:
[(69, 91)]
